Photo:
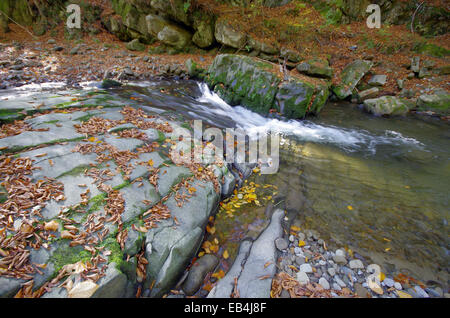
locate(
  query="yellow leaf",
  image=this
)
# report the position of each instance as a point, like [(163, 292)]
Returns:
[(91, 139), (295, 228), (301, 243), (219, 275), (150, 162), (375, 287), (403, 294), (350, 207), (225, 254), (201, 254)]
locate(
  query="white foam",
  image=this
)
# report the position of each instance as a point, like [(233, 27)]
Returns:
[(253, 124)]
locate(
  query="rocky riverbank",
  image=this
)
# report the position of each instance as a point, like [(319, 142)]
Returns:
[(92, 201)]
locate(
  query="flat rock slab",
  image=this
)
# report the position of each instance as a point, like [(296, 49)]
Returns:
[(251, 264)]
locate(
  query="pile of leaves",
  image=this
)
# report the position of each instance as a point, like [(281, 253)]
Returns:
[(296, 290), (19, 225)]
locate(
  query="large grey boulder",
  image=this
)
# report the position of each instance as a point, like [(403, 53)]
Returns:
[(156, 23), (175, 36), (225, 34)]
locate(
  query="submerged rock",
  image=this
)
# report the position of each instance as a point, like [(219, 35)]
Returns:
[(255, 260), (438, 103), (197, 273), (386, 105)]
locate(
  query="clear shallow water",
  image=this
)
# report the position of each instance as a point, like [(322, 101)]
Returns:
[(378, 186)]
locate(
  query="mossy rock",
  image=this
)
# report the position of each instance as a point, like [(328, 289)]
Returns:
[(248, 81), (387, 105), (135, 45), (109, 83), (350, 77), (438, 103), (293, 98), (431, 49)]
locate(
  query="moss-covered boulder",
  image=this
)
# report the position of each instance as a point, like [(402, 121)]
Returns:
[(294, 97), (438, 103), (243, 80), (387, 105), (204, 30), (350, 77), (135, 45), (251, 82), (316, 68), (225, 34)]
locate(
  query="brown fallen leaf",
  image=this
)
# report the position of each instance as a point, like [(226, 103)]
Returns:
[(51, 226)]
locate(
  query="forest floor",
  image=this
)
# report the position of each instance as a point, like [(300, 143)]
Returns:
[(301, 29)]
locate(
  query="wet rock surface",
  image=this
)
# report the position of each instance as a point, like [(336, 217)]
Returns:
[(117, 217)]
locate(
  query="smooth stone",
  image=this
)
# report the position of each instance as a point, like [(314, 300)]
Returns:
[(398, 286), (356, 264), (361, 291), (339, 282), (340, 259), (389, 282), (302, 278), (340, 252), (324, 283), (281, 244), (331, 271), (419, 291), (300, 260), (306, 268)]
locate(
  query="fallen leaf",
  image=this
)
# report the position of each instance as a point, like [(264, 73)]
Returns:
[(83, 290), (51, 226), (403, 294), (375, 287)]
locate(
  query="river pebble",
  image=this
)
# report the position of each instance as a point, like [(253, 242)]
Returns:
[(356, 264), (302, 278), (281, 243), (389, 282), (331, 271), (324, 283), (306, 268)]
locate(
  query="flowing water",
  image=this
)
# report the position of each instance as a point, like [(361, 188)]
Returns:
[(377, 186)]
